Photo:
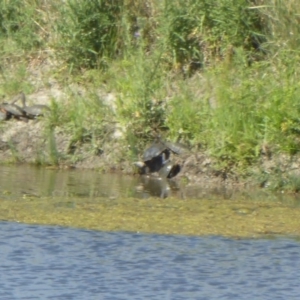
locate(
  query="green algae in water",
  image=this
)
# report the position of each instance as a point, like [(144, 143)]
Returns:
[(168, 216)]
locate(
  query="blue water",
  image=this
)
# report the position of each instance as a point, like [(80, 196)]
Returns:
[(44, 262)]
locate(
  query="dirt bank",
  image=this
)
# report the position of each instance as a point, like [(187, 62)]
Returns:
[(33, 142)]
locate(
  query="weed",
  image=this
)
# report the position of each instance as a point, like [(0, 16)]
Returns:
[(54, 155)]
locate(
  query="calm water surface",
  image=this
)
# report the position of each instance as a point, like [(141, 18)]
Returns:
[(40, 262), (24, 180)]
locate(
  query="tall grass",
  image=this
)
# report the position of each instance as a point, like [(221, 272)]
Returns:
[(90, 32), (24, 26)]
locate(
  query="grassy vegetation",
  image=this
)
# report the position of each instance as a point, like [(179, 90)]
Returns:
[(220, 75)]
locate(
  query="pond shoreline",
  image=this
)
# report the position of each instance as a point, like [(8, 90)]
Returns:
[(35, 142), (26, 143)]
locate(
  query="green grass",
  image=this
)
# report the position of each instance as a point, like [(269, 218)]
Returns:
[(221, 76)]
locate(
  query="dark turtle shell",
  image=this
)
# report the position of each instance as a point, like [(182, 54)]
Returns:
[(157, 157), (159, 147), (12, 109), (35, 110), (176, 148), (156, 149), (32, 111)]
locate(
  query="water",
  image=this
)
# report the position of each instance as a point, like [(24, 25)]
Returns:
[(41, 262), (25, 180), (41, 182), (52, 262)]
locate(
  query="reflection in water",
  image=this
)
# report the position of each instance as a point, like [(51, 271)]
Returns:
[(156, 187), (43, 262), (32, 181), (25, 180), (41, 182)]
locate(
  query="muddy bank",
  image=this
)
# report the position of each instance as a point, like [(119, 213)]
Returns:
[(35, 142)]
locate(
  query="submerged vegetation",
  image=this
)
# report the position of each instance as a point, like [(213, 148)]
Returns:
[(219, 75), (238, 219)]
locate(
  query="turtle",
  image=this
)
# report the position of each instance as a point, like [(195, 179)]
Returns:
[(154, 158), (169, 170), (3, 115), (176, 148), (12, 110), (158, 155), (33, 111)]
